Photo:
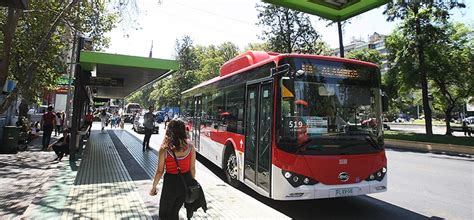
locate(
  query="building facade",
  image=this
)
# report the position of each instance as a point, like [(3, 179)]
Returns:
[(375, 41)]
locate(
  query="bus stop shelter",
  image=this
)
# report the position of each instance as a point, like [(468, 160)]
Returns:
[(111, 76), (334, 10)]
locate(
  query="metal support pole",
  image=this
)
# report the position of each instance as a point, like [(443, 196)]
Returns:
[(341, 45)]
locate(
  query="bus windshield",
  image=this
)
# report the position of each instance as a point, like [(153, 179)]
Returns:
[(330, 108)]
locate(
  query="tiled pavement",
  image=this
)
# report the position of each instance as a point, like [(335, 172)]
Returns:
[(110, 182), (23, 176)]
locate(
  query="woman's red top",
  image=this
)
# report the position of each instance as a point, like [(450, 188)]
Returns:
[(184, 162)]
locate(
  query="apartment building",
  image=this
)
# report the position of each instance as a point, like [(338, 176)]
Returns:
[(375, 41)]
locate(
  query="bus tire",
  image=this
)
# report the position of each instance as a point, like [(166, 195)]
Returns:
[(230, 168)]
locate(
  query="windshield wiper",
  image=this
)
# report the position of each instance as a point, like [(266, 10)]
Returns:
[(372, 142)]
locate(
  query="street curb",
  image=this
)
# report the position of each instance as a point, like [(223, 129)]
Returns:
[(430, 147)]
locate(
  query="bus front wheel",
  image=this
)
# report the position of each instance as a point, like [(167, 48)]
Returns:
[(230, 168)]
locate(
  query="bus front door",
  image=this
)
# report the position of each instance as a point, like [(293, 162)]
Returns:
[(197, 122), (257, 159)]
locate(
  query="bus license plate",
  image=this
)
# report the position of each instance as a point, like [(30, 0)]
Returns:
[(344, 192)]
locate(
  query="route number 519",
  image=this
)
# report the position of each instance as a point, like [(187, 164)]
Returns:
[(295, 124)]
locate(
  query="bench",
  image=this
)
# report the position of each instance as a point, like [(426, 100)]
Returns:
[(462, 129)]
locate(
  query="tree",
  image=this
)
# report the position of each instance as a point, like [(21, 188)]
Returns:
[(141, 97), (419, 20), (211, 58), (258, 47), (167, 92), (38, 56), (368, 55), (287, 30), (197, 64), (450, 64)]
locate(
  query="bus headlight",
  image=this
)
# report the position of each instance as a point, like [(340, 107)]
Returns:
[(297, 180), (377, 175)]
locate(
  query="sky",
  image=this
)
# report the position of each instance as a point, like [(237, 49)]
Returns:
[(217, 21)]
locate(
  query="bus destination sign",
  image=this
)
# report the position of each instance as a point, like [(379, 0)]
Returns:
[(330, 71)]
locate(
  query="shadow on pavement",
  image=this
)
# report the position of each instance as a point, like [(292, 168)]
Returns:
[(359, 207)]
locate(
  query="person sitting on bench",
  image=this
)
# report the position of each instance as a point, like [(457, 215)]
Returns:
[(61, 146)]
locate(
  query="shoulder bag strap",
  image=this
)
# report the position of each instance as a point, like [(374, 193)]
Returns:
[(179, 169)]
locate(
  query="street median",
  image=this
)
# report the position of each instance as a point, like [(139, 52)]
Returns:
[(429, 147)]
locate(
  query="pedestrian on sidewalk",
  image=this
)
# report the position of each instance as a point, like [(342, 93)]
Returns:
[(179, 158), (149, 124), (465, 128), (48, 121), (88, 120), (57, 130), (61, 146), (103, 119)]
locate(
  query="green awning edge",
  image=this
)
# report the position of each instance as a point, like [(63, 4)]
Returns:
[(327, 12), (89, 59)]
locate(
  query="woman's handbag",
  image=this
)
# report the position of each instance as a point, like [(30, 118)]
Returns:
[(191, 191)]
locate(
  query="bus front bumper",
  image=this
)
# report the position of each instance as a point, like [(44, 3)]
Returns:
[(282, 190)]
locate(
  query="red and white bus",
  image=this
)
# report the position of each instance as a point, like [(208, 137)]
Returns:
[(292, 126)]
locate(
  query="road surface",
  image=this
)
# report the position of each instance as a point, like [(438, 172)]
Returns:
[(420, 186)]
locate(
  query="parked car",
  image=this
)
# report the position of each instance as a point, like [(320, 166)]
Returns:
[(140, 128), (469, 120), (160, 116), (402, 118)]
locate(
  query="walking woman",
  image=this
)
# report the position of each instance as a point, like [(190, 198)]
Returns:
[(173, 192), (103, 118)]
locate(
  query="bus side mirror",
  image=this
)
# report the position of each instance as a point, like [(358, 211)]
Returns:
[(384, 103)]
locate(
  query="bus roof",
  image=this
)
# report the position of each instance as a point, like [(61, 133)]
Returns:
[(253, 59)]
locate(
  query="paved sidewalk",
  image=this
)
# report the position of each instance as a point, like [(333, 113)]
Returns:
[(223, 201), (23, 176), (112, 181), (101, 188)]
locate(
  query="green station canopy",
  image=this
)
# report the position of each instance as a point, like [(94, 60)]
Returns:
[(336, 10), (117, 76)]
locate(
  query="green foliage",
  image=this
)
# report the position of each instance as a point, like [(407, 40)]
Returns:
[(37, 62), (258, 47), (287, 30), (449, 64), (439, 139), (451, 67), (141, 97), (368, 55), (197, 64), (421, 26), (167, 92)]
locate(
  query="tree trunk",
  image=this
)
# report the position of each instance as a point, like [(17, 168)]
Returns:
[(423, 78), (8, 34), (448, 121)]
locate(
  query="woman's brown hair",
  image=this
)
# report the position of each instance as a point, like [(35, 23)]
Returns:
[(175, 135)]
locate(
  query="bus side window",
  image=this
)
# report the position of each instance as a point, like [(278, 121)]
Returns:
[(234, 109), (217, 108)]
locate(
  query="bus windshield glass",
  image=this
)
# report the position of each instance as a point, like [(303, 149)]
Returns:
[(329, 108)]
